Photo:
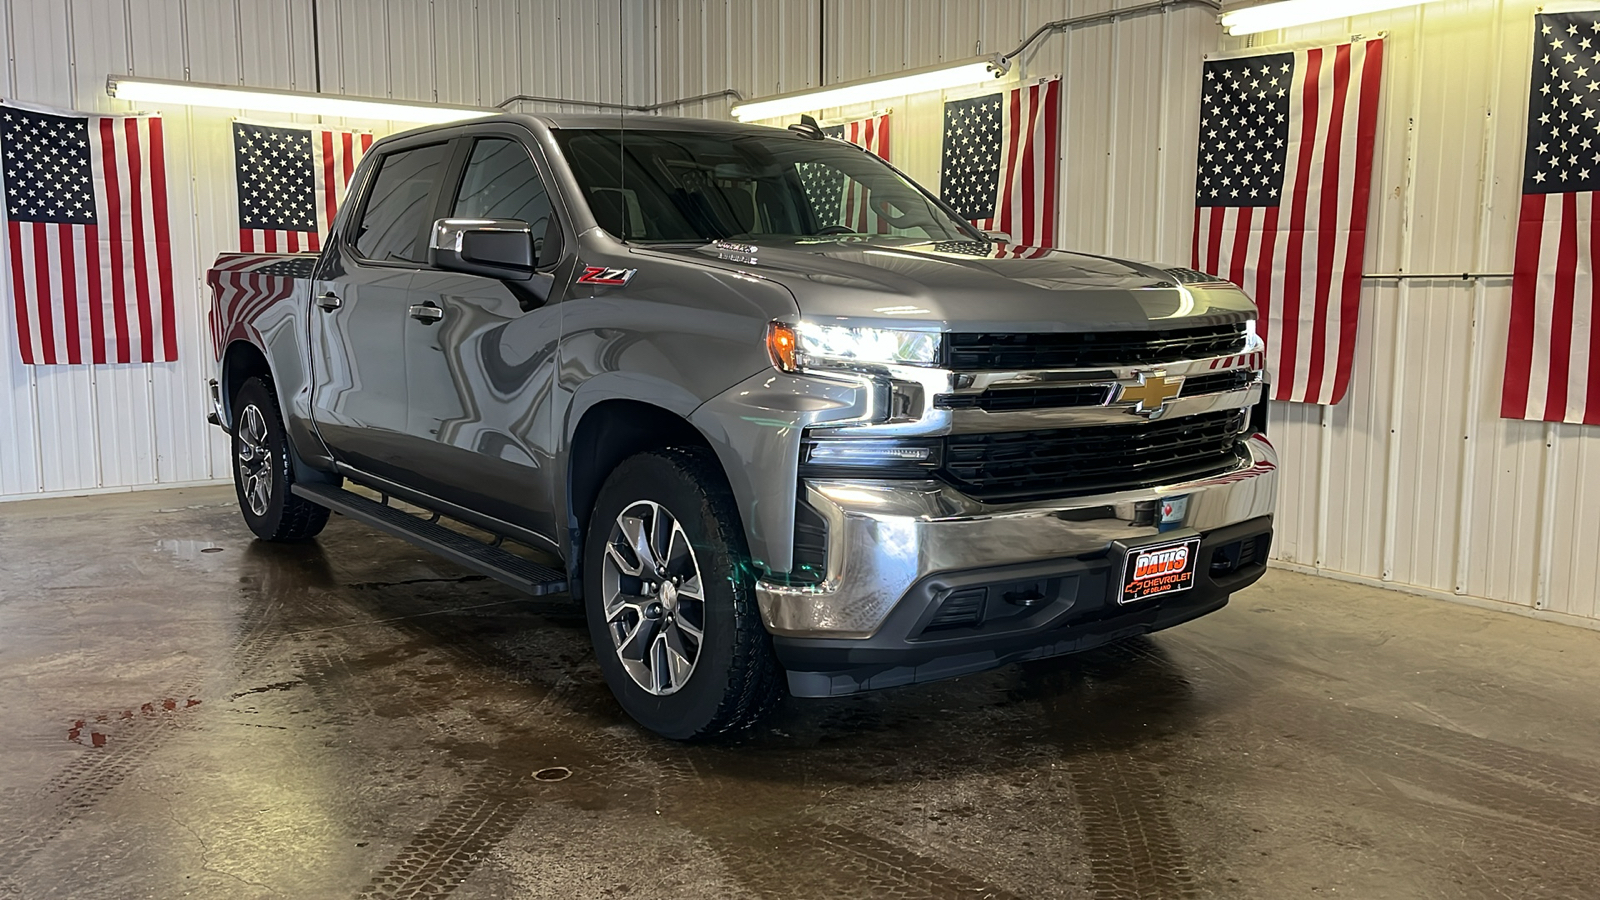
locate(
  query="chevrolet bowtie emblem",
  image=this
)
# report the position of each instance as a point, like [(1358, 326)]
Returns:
[(1151, 394)]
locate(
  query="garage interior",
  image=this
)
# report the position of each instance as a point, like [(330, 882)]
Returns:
[(1405, 706)]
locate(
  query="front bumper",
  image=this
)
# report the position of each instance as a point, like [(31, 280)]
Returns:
[(898, 550)]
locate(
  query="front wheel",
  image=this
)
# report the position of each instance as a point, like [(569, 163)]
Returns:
[(670, 599), (262, 469)]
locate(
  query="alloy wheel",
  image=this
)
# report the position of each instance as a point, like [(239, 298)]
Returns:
[(654, 598), (255, 460)]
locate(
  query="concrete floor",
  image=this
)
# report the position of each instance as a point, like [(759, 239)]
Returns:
[(188, 712)]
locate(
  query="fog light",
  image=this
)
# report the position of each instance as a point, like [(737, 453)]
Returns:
[(867, 453), (879, 459)]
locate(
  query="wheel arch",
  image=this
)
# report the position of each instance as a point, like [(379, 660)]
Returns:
[(241, 361), (607, 432)]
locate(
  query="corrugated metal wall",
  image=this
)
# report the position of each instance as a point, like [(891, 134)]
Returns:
[(1414, 480), (69, 429), (1129, 88)]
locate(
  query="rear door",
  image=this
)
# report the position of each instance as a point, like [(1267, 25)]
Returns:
[(360, 310), (481, 376)]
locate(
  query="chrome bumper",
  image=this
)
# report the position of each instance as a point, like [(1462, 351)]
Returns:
[(884, 536)]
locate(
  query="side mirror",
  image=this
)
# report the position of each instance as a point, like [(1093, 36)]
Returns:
[(999, 237), (495, 248)]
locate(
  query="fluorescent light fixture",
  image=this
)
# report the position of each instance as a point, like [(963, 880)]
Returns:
[(1289, 13), (191, 93), (914, 82)]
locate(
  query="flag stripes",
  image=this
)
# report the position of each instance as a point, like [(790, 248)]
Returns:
[(1025, 204), (872, 135), (1552, 361), (1300, 254)]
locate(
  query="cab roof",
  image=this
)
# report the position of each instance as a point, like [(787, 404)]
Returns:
[(630, 122)]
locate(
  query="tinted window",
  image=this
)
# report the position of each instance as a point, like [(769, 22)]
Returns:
[(699, 186), (399, 206), (501, 182)]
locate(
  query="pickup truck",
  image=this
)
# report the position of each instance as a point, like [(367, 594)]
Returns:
[(776, 416)]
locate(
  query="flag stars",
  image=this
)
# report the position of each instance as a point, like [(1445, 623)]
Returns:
[(1244, 121)]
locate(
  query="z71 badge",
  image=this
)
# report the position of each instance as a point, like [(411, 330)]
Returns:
[(603, 275)]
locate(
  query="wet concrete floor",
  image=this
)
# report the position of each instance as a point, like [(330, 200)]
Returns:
[(185, 712)]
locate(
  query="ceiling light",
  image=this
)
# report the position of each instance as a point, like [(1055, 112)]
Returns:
[(1289, 13), (914, 82), (190, 93)]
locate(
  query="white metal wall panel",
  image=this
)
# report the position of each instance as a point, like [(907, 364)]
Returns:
[(1129, 108), (66, 429), (1415, 479)]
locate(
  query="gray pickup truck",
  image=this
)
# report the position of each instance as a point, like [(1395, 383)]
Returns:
[(774, 414)]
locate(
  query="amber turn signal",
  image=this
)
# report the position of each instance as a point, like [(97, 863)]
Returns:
[(783, 346)]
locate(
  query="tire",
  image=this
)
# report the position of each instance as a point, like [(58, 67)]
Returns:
[(262, 471), (643, 635)]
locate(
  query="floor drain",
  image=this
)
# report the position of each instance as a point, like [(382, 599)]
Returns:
[(554, 773)]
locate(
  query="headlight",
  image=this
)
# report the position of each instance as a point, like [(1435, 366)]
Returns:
[(810, 346)]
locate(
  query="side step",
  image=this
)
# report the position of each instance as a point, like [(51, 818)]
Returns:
[(525, 575)]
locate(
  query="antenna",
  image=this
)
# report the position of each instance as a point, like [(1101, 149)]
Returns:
[(808, 127)]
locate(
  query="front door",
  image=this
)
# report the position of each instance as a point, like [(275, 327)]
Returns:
[(360, 310), (480, 376)]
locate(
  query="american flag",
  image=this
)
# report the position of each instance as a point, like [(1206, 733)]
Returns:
[(1001, 152), (826, 186), (290, 182), (90, 247), (1285, 168), (1553, 354)]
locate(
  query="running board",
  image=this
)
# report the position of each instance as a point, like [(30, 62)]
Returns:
[(501, 565)]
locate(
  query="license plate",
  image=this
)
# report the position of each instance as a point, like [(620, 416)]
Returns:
[(1158, 569)]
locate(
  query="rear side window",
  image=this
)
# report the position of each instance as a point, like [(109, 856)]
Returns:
[(399, 205), (501, 182)]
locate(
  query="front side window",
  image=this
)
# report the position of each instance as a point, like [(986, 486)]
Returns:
[(676, 186), (501, 182), (399, 205)]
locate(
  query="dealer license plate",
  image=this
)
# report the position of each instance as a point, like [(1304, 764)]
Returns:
[(1158, 569)]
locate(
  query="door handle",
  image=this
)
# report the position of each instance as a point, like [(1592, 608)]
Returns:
[(426, 313), (329, 301)]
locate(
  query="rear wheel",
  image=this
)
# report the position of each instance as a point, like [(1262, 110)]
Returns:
[(671, 599), (262, 472)]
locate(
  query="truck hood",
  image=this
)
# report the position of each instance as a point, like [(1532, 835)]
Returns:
[(974, 286)]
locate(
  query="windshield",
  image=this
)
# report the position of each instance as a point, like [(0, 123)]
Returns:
[(689, 186)]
